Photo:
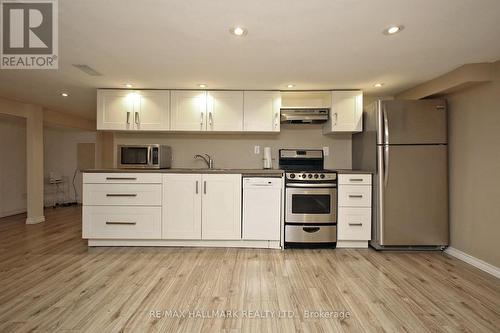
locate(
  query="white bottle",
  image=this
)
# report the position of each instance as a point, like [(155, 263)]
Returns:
[(268, 161)]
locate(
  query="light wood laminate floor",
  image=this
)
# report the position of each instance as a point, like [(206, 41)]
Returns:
[(50, 281)]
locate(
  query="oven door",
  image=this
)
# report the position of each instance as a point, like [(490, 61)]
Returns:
[(135, 157), (310, 204)]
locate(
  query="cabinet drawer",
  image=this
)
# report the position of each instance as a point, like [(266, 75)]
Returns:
[(354, 223), (122, 194), (122, 178), (112, 222), (355, 179), (310, 234), (355, 196)]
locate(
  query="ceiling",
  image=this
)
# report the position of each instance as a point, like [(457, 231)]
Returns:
[(317, 44)]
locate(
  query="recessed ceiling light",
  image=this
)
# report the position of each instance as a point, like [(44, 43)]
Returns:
[(202, 85), (393, 29), (64, 94), (238, 31), (290, 85), (128, 85), (378, 85)]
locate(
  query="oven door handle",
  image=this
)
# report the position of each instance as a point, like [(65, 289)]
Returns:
[(308, 185)]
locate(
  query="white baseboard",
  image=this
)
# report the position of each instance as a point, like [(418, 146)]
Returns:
[(262, 244), (478, 263), (35, 220)]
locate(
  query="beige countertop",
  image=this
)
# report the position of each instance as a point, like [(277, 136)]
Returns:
[(245, 172), (349, 171)]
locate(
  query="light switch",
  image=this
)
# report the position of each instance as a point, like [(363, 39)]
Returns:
[(256, 150), (326, 151)]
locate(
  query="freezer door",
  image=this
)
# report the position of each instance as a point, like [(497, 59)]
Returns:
[(413, 196), (412, 122)]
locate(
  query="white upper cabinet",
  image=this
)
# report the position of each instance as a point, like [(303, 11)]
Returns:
[(115, 110), (262, 111), (346, 113), (188, 110), (152, 110), (133, 110), (225, 111)]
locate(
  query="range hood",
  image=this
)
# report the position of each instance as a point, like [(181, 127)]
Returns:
[(304, 115)]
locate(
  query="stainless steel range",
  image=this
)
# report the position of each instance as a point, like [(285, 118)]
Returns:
[(310, 199)]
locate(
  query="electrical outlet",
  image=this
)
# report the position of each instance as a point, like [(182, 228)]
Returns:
[(326, 151), (256, 150)]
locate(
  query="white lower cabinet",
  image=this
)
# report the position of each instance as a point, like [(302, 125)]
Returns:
[(103, 222), (202, 206), (221, 207), (121, 206), (354, 211), (181, 206)]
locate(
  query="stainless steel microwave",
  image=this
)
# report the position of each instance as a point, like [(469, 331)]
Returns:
[(144, 156)]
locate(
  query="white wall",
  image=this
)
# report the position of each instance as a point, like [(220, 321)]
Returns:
[(12, 165), (60, 155), (474, 158)]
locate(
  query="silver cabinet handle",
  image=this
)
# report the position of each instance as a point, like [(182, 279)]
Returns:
[(128, 117), (276, 115), (336, 118), (355, 179), (196, 187), (121, 178), (355, 195), (205, 187), (136, 117), (121, 222), (210, 119), (356, 224), (121, 194), (201, 118)]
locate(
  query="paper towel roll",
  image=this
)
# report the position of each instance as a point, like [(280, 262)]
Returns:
[(268, 161)]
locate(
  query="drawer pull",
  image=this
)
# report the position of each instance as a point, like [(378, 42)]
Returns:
[(356, 224), (121, 178), (355, 179), (311, 229), (355, 195), (121, 195), (121, 222)]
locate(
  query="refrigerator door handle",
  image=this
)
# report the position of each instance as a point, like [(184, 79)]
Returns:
[(386, 126), (386, 164)]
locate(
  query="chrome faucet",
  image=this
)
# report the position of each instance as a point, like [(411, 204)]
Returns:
[(207, 159)]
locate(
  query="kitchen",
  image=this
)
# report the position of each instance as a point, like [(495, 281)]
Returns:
[(232, 189)]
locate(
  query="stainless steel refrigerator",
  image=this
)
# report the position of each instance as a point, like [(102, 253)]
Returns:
[(405, 144)]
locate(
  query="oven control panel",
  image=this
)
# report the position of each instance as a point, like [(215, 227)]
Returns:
[(311, 176)]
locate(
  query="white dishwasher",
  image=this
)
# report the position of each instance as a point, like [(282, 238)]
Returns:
[(261, 208)]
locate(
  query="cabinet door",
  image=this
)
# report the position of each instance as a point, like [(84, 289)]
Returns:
[(115, 109), (188, 110), (181, 208), (262, 111), (152, 112), (346, 113), (225, 111), (221, 214)]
